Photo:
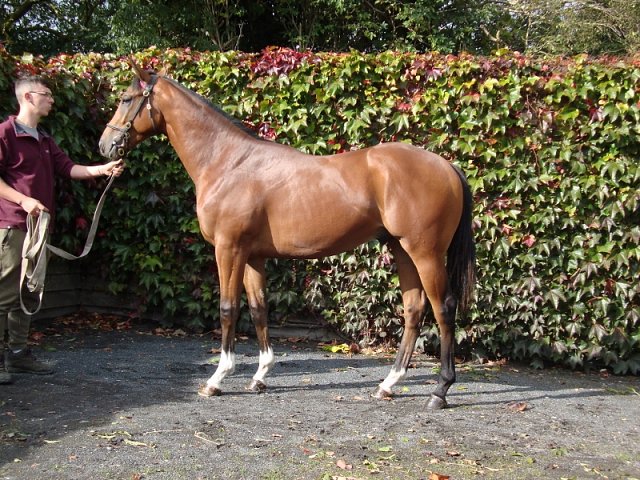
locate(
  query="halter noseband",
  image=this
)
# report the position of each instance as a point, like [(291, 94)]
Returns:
[(120, 142)]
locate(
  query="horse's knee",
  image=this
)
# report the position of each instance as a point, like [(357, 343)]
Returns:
[(227, 311)]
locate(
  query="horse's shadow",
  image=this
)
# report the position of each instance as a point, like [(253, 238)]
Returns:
[(476, 385)]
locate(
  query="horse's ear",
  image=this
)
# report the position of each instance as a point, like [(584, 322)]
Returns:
[(142, 74)]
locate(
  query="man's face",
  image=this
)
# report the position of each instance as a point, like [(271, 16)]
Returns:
[(41, 100)]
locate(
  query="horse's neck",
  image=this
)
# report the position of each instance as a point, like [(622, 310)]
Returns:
[(208, 141)]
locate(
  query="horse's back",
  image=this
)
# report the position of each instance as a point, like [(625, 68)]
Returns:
[(410, 160), (296, 205)]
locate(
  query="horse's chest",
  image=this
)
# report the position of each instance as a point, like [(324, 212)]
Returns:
[(231, 213)]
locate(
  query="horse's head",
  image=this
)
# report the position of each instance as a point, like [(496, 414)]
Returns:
[(131, 124)]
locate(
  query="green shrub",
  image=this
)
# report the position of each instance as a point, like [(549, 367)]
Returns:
[(550, 147)]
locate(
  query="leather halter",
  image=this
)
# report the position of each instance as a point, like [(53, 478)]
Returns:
[(120, 141)]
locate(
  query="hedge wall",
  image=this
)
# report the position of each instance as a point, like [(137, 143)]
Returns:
[(550, 147)]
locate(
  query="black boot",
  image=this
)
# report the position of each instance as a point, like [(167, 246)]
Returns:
[(25, 362)]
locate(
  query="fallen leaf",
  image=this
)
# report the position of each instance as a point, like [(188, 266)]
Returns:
[(296, 339), (133, 443), (203, 436), (438, 476), (343, 465), (342, 348), (453, 453), (517, 406), (37, 336)]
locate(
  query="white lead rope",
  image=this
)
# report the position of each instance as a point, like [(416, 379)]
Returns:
[(35, 250)]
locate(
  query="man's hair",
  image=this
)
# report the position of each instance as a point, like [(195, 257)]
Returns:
[(26, 83)]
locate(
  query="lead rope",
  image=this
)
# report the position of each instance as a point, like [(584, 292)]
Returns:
[(35, 250)]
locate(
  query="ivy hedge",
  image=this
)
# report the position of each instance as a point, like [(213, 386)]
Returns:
[(550, 147)]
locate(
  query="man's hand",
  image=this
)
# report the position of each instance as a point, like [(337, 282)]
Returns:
[(114, 168), (33, 206)]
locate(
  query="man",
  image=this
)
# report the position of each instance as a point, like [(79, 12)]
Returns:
[(29, 159)]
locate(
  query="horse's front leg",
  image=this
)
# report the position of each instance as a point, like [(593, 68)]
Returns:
[(255, 287), (231, 268)]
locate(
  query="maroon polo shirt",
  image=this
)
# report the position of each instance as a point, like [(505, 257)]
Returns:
[(28, 166)]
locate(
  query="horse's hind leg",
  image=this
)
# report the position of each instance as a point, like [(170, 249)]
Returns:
[(428, 275), (414, 301), (435, 281), (255, 287)]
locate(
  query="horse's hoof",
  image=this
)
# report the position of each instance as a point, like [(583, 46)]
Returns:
[(207, 391), (256, 386), (436, 403), (382, 394)]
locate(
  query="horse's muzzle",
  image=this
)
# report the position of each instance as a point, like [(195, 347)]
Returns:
[(117, 147)]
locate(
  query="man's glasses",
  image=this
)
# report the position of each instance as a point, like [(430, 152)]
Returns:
[(44, 94)]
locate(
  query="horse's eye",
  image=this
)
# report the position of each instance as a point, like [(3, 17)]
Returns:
[(126, 99)]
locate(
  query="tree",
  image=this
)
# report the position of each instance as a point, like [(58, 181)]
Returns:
[(417, 25), (54, 26), (579, 26), (449, 26), (201, 25)]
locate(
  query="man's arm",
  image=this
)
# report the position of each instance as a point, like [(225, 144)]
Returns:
[(28, 204), (82, 172)]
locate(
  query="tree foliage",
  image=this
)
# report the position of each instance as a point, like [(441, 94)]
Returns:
[(54, 26), (583, 26), (449, 26)]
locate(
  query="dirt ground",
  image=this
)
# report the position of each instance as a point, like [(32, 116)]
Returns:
[(122, 404)]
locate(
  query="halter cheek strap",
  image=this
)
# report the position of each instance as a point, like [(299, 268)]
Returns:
[(120, 142)]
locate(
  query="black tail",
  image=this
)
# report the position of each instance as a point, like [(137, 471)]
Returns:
[(461, 256)]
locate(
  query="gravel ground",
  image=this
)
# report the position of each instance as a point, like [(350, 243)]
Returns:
[(123, 405)]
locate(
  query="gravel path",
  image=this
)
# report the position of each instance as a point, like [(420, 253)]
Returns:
[(123, 405)]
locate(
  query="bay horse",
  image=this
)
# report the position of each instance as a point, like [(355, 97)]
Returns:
[(258, 199)]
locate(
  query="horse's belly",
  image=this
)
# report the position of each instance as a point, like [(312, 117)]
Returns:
[(306, 241)]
